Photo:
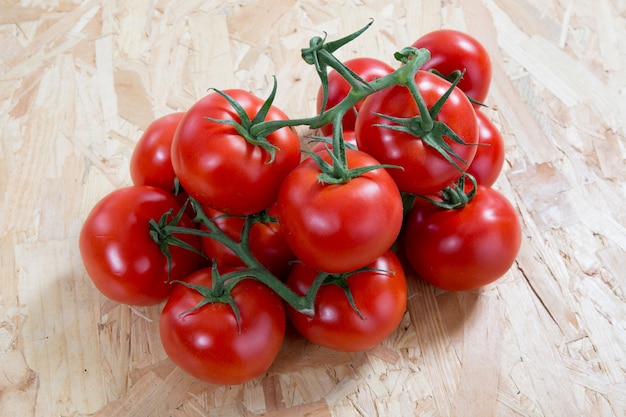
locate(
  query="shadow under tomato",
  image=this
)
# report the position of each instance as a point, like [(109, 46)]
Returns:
[(438, 316), (298, 354)]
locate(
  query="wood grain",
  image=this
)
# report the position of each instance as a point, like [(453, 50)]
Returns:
[(79, 81)]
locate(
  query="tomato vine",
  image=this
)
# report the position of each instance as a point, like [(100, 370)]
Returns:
[(256, 233), (320, 54)]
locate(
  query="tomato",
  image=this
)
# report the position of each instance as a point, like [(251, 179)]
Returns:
[(465, 248), (339, 227), (338, 88), (151, 162), (487, 164), (425, 171), (380, 298), (266, 242), (219, 168), (210, 344), (121, 258), (451, 50)]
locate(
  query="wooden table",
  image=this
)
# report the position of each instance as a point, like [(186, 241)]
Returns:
[(79, 81)]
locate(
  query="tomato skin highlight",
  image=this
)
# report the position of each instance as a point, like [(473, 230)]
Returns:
[(338, 88), (452, 50), (207, 342), (380, 298), (339, 227), (466, 248), (151, 161), (120, 257), (425, 171), (489, 160), (219, 168)]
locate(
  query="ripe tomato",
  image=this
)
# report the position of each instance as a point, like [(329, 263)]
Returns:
[(380, 298), (425, 171), (121, 258), (465, 248), (266, 242), (210, 344), (339, 227), (151, 163), (219, 168), (450, 51), (487, 164), (338, 88)]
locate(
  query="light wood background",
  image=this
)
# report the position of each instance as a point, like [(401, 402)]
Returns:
[(79, 80)]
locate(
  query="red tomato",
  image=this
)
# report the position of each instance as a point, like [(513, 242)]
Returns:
[(121, 258), (487, 164), (219, 168), (151, 163), (379, 297), (425, 171), (266, 242), (338, 88), (210, 344), (450, 51), (465, 248), (341, 227)]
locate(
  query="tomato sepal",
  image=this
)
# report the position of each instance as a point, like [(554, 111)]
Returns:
[(425, 126), (318, 46), (162, 233), (455, 76), (338, 171), (341, 280), (456, 195), (219, 292), (243, 127)]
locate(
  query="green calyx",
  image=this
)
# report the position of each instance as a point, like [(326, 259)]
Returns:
[(162, 233), (245, 125), (320, 55), (425, 126), (454, 77), (455, 196), (341, 280), (337, 171), (219, 292)]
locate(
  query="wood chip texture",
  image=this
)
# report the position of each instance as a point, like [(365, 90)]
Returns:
[(81, 80)]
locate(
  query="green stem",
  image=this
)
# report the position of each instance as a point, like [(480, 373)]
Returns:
[(426, 121), (338, 172), (404, 75), (339, 149), (304, 304)]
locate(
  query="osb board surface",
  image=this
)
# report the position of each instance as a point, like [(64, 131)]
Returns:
[(80, 80)]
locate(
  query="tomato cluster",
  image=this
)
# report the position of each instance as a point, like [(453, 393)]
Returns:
[(240, 230)]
